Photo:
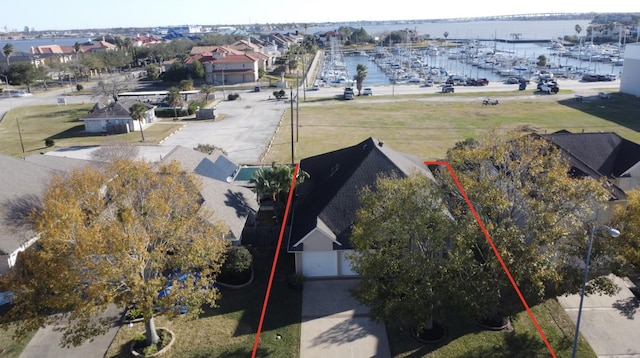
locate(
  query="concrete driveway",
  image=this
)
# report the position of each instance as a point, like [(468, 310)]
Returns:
[(46, 341), (608, 323), (335, 325)]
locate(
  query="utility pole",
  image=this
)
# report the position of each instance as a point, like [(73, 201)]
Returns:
[(297, 108), (293, 161)]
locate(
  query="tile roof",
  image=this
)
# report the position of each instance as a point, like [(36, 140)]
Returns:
[(330, 195)]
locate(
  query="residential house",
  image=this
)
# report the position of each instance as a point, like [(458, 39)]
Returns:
[(325, 207), (19, 57), (23, 183), (116, 118), (226, 66), (603, 156), (231, 204)]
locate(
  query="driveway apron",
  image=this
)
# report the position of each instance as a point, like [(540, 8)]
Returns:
[(334, 324)]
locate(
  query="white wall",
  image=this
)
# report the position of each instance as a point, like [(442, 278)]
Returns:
[(630, 79)]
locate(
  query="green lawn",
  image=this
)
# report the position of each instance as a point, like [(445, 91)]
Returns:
[(61, 123), (229, 330), (428, 128), (8, 347), (466, 339)]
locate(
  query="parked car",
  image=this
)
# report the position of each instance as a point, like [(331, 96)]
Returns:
[(428, 83), (256, 89), (315, 87), (448, 89), (348, 93), (367, 92), (549, 87), (604, 95)]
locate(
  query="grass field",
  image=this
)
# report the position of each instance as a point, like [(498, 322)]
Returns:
[(62, 124), (428, 125)]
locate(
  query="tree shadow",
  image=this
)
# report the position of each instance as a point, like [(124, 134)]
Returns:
[(75, 132), (345, 332), (515, 345), (627, 306), (17, 211), (620, 108), (238, 202)]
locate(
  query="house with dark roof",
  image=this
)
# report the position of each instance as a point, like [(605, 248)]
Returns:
[(232, 205), (325, 208), (116, 118), (601, 155)]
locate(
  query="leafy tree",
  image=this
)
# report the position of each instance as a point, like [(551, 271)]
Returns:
[(76, 47), (578, 29), (275, 182), (153, 72), (23, 73), (185, 85), (111, 237), (8, 51), (174, 99), (535, 212), (207, 90), (238, 260), (198, 71), (445, 34), (176, 72), (92, 62), (360, 76), (111, 87), (138, 113), (627, 245), (542, 61), (405, 278)]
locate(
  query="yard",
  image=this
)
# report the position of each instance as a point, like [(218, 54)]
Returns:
[(229, 330), (61, 124)]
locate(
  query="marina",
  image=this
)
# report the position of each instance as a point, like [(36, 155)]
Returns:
[(457, 62)]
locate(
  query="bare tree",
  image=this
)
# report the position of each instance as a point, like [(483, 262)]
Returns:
[(115, 150), (110, 88)]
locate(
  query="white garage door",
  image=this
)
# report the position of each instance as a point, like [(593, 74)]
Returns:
[(318, 264), (345, 265)]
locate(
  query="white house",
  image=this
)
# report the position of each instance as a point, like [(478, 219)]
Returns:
[(116, 118)]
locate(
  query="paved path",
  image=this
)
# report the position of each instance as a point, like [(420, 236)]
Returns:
[(46, 341), (608, 323), (335, 325)]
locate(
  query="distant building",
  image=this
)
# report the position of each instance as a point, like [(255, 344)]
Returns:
[(630, 79)]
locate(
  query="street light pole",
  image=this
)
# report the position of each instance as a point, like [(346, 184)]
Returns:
[(612, 232)]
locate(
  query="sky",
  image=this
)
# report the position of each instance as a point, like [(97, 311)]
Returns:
[(85, 14)]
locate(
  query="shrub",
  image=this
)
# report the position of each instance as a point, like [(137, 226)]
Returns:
[(168, 113), (150, 350), (139, 337), (193, 106), (49, 142), (79, 87), (238, 260)]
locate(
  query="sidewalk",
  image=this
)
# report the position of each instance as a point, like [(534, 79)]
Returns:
[(608, 323), (46, 341)]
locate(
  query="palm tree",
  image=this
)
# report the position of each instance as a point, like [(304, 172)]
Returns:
[(138, 112), (174, 99), (445, 34), (8, 51), (359, 77), (207, 90), (275, 182)]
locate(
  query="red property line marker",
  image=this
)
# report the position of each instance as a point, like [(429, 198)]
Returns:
[(275, 259), (495, 251)]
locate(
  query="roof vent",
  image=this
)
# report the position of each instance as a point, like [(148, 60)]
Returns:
[(380, 144)]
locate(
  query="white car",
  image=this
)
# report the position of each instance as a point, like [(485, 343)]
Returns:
[(315, 87), (367, 92)]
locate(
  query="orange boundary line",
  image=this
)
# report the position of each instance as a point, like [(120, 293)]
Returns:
[(495, 251), (275, 259)]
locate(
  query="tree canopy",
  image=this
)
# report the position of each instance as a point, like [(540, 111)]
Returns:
[(533, 209), (360, 76), (404, 279), (112, 237)]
